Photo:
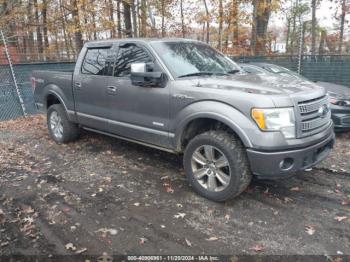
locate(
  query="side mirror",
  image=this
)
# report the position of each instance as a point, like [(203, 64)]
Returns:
[(140, 76)]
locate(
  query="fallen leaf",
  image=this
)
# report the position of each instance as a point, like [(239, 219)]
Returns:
[(28, 210), (188, 242), (340, 218), (169, 190), (82, 250), (30, 220), (104, 231), (2, 217), (3, 244), (257, 248), (143, 240), (345, 202), (310, 229), (180, 215), (70, 246), (212, 238), (287, 200)]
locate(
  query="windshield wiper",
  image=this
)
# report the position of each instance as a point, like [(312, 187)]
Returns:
[(197, 74), (202, 73), (234, 71)]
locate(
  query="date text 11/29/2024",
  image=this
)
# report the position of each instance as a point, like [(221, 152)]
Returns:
[(173, 258)]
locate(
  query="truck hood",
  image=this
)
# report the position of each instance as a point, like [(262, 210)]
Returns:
[(258, 84)]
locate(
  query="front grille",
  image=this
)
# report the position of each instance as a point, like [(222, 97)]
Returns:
[(313, 105), (346, 120), (311, 120), (316, 123)]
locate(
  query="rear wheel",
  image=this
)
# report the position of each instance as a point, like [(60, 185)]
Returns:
[(61, 130), (216, 165)]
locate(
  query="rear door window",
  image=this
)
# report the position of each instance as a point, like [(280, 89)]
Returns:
[(96, 62)]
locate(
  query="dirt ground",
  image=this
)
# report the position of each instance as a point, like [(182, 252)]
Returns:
[(102, 194)]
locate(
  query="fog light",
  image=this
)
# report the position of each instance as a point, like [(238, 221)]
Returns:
[(286, 164)]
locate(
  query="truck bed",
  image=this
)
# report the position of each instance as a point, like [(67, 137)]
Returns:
[(59, 82)]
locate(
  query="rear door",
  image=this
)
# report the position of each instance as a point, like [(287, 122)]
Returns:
[(90, 88), (140, 113)]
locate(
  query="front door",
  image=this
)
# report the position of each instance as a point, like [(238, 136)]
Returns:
[(90, 89), (140, 113)]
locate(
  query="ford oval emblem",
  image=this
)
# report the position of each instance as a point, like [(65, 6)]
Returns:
[(323, 111)]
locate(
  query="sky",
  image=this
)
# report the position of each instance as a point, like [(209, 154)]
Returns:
[(324, 15)]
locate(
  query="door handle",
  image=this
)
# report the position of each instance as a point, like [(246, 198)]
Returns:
[(112, 90), (77, 85)]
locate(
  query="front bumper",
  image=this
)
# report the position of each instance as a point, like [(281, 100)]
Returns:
[(273, 165), (341, 117)]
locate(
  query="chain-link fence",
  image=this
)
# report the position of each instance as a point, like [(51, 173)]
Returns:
[(335, 69), (331, 68)]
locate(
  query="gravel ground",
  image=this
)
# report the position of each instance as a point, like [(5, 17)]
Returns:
[(101, 194)]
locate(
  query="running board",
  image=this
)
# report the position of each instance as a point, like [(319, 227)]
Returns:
[(131, 140)]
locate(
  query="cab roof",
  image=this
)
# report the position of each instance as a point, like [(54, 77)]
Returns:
[(110, 42)]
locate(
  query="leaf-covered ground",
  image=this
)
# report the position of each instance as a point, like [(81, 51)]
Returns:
[(101, 194)]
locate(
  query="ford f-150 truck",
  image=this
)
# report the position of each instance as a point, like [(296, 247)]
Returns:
[(185, 97)]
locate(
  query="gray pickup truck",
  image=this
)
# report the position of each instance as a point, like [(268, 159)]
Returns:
[(185, 97)]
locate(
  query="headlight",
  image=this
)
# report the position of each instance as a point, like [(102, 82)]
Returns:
[(339, 100), (275, 119)]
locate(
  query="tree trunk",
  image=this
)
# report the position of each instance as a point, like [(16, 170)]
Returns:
[(261, 16), (78, 36), (127, 18), (163, 17), (221, 20), (342, 22), (143, 18), (93, 14), (46, 38), (321, 49), (182, 19), (119, 26), (64, 28), (30, 33), (235, 24), (288, 34), (39, 37), (134, 17), (313, 29), (207, 19), (293, 35), (112, 30)]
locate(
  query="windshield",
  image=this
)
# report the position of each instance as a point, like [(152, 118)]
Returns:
[(193, 59), (282, 71)]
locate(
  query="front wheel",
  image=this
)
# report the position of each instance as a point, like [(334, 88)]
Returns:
[(61, 130), (216, 165)]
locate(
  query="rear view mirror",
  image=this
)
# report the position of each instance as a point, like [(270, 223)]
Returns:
[(140, 76)]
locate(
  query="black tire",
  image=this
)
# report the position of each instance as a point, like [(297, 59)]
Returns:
[(70, 130), (236, 157)]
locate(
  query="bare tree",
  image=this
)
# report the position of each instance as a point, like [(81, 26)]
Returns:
[(221, 21), (342, 22), (261, 16), (207, 19), (39, 37), (313, 28), (127, 18), (119, 26), (182, 19), (134, 18), (78, 36)]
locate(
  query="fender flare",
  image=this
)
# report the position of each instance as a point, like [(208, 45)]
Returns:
[(221, 112)]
